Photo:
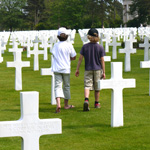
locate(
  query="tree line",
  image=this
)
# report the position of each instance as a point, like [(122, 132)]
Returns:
[(51, 14), (141, 10)]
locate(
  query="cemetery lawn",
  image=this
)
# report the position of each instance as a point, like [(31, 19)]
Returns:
[(80, 130)]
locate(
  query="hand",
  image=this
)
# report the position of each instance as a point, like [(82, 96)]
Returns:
[(72, 58), (77, 73), (103, 76)]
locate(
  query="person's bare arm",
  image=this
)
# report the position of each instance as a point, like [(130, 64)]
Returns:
[(78, 65), (103, 67)]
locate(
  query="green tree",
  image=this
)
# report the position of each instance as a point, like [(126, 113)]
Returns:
[(11, 14), (51, 14), (91, 13), (141, 10), (102, 13), (66, 13), (115, 16), (34, 12)]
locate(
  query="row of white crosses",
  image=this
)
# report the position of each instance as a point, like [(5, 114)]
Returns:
[(144, 31), (117, 102), (117, 86), (3, 41), (128, 50), (108, 33), (49, 74), (116, 83), (146, 62), (35, 51), (1, 51), (146, 46), (129, 40), (18, 64), (46, 39), (122, 33), (29, 126)]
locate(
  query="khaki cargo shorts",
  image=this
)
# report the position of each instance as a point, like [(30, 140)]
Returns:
[(91, 79)]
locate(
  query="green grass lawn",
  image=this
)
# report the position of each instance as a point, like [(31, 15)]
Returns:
[(80, 130)]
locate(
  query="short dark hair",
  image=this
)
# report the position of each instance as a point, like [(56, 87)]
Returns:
[(62, 37)]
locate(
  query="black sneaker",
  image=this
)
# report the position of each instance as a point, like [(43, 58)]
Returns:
[(86, 106)]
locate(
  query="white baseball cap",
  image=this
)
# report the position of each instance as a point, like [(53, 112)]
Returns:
[(62, 30)]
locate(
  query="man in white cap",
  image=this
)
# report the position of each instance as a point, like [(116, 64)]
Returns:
[(63, 52)]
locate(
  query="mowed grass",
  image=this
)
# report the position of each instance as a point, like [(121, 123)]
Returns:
[(80, 130)]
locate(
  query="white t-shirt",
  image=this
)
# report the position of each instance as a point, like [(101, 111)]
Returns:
[(62, 51)]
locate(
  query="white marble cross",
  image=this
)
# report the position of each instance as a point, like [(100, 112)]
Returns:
[(146, 45), (117, 84), (29, 126), (101, 39), (48, 71), (12, 40), (36, 53), (3, 45), (23, 40), (107, 58), (29, 45), (1, 58), (16, 50), (114, 44), (146, 64), (18, 64), (36, 40), (132, 38), (83, 36), (107, 40), (128, 50), (45, 45), (51, 43)]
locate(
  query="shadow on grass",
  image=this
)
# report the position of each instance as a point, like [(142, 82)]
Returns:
[(140, 94), (86, 126), (11, 110)]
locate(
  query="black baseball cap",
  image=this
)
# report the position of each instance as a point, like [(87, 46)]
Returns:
[(93, 32)]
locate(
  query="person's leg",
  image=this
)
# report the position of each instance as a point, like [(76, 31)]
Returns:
[(88, 85), (97, 94), (58, 105), (86, 93), (66, 104), (86, 101), (58, 90), (97, 104), (97, 76), (66, 90)]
